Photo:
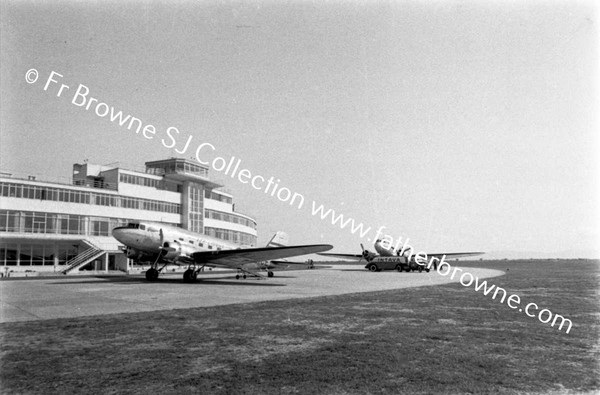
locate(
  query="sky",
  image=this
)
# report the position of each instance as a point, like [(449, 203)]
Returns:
[(460, 125)]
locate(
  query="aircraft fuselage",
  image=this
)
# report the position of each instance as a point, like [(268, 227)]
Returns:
[(147, 240)]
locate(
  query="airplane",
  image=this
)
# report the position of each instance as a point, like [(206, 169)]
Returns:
[(159, 243), (387, 258)]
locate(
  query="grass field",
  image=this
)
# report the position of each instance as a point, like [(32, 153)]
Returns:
[(445, 339)]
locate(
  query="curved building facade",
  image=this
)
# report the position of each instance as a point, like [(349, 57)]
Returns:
[(49, 226)]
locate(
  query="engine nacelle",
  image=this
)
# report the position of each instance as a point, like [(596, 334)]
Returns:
[(137, 255), (175, 250), (368, 255), (132, 253)]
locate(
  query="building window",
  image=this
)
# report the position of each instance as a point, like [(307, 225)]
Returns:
[(231, 235), (227, 217), (100, 199)]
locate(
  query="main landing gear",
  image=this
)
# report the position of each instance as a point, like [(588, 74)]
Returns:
[(190, 275), (152, 274), (154, 271)]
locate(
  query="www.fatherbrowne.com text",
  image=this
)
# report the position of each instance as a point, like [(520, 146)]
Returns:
[(171, 138)]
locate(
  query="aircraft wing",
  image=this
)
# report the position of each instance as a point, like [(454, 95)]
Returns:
[(436, 255), (454, 254), (352, 257), (236, 258)]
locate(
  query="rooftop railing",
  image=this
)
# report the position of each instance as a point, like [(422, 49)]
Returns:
[(70, 181)]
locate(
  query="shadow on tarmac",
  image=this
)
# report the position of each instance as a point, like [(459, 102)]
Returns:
[(200, 281)]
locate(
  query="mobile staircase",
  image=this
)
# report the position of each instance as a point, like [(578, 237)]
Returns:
[(83, 258)]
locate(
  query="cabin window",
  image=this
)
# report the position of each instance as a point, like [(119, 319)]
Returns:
[(209, 247)]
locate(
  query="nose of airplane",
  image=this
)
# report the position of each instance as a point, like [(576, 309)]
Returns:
[(121, 234), (382, 249)]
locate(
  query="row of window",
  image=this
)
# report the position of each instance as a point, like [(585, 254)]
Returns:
[(231, 235), (67, 224), (196, 202), (26, 254), (178, 167), (159, 184), (228, 217), (143, 181), (208, 194), (85, 197), (196, 206), (195, 222)]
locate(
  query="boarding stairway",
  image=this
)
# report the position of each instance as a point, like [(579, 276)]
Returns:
[(83, 258)]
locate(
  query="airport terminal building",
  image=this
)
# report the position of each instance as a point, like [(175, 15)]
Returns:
[(66, 227)]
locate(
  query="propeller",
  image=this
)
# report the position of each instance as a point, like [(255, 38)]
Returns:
[(365, 254), (164, 247)]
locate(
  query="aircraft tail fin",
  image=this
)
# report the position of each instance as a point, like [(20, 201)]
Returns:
[(279, 239)]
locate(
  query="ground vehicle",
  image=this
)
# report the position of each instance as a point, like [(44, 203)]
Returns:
[(388, 258), (399, 263)]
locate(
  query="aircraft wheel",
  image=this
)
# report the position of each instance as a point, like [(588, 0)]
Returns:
[(270, 273), (427, 270), (151, 274), (373, 267), (420, 268), (194, 275), (237, 276), (399, 268), (244, 276), (187, 275)]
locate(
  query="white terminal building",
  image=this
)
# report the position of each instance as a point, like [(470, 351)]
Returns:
[(66, 227)]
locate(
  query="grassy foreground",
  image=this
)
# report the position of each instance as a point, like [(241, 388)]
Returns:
[(445, 339)]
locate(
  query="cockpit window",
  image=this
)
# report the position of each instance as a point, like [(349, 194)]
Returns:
[(143, 227), (133, 225)]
